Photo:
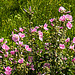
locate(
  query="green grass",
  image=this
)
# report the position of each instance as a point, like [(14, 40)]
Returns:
[(12, 15)]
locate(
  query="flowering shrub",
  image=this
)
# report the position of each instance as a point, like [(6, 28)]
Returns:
[(40, 50)]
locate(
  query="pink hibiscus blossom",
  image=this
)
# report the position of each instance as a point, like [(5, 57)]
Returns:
[(45, 26), (71, 47), (67, 40), (62, 9), (4, 46), (15, 37), (69, 25), (62, 46), (21, 35), (21, 60)]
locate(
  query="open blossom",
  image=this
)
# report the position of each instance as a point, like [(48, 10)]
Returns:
[(1, 40), (21, 60), (40, 35), (21, 30), (8, 70), (15, 37), (51, 20), (45, 26), (67, 40), (62, 46), (30, 58), (12, 52), (21, 35), (68, 17), (33, 30), (4, 46), (62, 18), (27, 48), (69, 25), (62, 9), (74, 40)]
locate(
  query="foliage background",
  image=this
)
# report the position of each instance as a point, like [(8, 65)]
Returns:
[(12, 15)]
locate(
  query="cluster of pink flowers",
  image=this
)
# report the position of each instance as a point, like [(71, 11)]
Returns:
[(8, 70), (40, 35), (27, 48)]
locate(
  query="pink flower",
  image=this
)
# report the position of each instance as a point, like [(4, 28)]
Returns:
[(8, 69), (52, 24), (74, 40), (32, 67), (0, 56), (62, 9), (15, 37), (67, 40), (4, 46), (21, 60), (27, 48), (7, 72), (69, 25), (73, 60), (62, 46), (6, 55), (62, 18), (45, 26), (21, 30), (51, 20), (30, 58), (20, 43), (21, 35), (40, 35), (68, 17), (12, 52), (33, 30), (10, 58), (1, 40), (65, 58), (36, 27), (71, 47)]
